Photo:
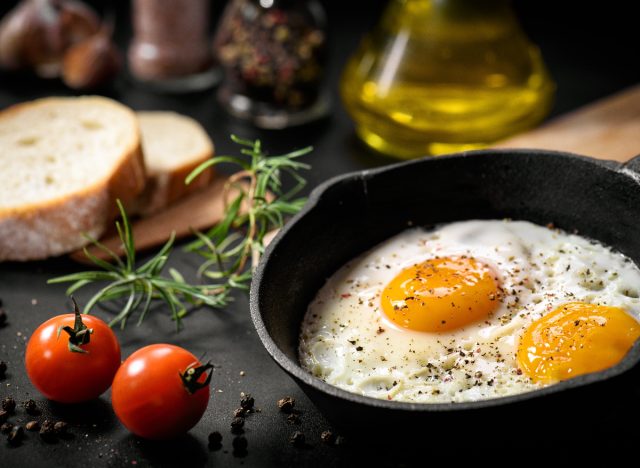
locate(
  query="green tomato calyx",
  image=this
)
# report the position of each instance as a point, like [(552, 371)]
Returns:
[(192, 374), (80, 334)]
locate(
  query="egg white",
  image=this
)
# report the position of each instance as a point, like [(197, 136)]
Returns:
[(347, 341)]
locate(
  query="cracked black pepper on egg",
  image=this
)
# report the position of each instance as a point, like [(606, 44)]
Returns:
[(471, 310)]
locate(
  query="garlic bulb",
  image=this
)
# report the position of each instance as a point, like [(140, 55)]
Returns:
[(36, 33), (91, 62)]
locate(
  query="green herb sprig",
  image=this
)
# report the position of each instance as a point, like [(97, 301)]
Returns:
[(258, 207), (255, 204)]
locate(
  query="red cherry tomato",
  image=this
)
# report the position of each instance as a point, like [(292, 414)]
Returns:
[(72, 358), (161, 391)]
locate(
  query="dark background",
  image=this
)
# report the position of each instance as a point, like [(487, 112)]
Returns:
[(591, 52)]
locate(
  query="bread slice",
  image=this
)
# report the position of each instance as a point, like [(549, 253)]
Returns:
[(64, 162), (173, 145)]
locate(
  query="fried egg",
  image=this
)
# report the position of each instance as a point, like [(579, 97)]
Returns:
[(471, 310)]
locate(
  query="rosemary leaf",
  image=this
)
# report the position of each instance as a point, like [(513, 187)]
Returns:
[(229, 249)]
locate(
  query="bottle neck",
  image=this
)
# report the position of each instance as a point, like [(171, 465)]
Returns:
[(479, 8), (462, 10)]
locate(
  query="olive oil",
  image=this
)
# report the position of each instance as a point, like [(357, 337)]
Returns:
[(438, 76)]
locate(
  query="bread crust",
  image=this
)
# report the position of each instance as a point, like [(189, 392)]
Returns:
[(56, 226), (165, 187)]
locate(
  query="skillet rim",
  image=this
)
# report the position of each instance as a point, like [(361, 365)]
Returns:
[(295, 370)]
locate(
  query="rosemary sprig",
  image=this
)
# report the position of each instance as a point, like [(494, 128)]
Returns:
[(259, 205), (142, 284)]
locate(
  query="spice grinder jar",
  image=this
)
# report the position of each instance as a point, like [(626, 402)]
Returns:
[(272, 53), (170, 47)]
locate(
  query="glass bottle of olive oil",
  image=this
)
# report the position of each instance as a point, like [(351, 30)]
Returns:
[(438, 76)]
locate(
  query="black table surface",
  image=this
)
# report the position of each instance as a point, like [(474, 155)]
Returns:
[(590, 54)]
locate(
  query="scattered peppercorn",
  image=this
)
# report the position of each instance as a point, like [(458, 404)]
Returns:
[(215, 439), (31, 408), (247, 401), (15, 436), (286, 404), (240, 444), (9, 404), (32, 426), (47, 430), (238, 413), (293, 418), (340, 440), (6, 427), (327, 437), (236, 425), (60, 428), (4, 415), (3, 369), (297, 439)]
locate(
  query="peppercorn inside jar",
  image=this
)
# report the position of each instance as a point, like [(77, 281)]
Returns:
[(272, 54)]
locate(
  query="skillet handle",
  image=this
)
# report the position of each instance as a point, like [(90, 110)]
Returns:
[(633, 164)]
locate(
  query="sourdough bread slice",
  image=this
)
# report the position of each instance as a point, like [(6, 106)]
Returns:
[(63, 163), (173, 145)]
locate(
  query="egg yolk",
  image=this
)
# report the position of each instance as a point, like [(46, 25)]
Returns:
[(574, 339), (441, 294)]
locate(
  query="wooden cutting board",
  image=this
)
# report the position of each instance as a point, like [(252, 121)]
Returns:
[(196, 212), (606, 129)]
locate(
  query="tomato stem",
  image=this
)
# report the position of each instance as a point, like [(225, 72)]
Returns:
[(192, 374), (80, 334)]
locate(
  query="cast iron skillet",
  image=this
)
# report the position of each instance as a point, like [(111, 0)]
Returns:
[(351, 213)]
